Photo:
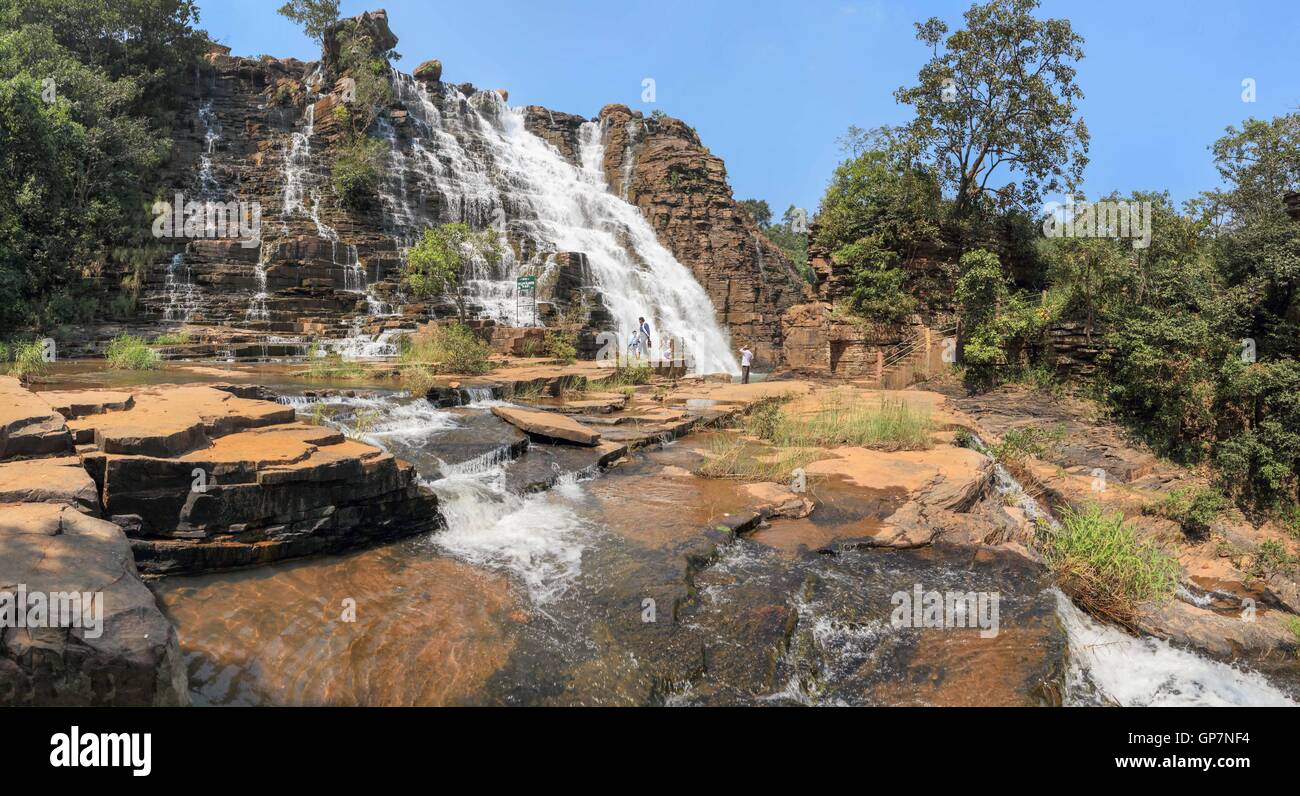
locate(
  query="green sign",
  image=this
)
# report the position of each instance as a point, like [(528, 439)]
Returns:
[(525, 282)]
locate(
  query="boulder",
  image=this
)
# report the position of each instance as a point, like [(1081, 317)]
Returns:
[(49, 481), (548, 426), (129, 656), (430, 71)]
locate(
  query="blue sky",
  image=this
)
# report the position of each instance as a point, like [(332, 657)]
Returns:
[(771, 85)]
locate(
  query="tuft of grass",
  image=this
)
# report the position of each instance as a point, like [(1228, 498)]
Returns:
[(417, 378), (451, 348), (1100, 561), (630, 375), (1019, 444), (890, 425), (172, 338), (128, 352), (1193, 509), (530, 392), (331, 366), (740, 459), (28, 359)]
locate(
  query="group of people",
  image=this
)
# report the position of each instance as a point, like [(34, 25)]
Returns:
[(640, 344)]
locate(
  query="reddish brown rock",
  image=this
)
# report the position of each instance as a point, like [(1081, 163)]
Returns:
[(29, 427), (548, 426)]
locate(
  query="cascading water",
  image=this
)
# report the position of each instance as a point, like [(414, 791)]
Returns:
[(182, 295), (1109, 666), (475, 155)]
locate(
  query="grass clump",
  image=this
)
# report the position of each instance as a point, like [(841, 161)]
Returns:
[(630, 376), (1193, 509), (1100, 561), (450, 348), (23, 360), (1019, 444), (890, 425), (331, 366), (172, 338), (128, 352), (1270, 558), (736, 458)]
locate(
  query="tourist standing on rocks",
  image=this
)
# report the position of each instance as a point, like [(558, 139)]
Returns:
[(746, 359), (643, 333), (634, 345)]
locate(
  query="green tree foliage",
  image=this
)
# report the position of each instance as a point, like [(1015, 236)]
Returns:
[(787, 234), (86, 106), (315, 16), (435, 266), (999, 93)]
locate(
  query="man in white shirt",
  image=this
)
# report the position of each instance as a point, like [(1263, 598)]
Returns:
[(746, 359), (643, 338)]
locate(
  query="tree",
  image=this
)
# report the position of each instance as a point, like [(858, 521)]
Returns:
[(999, 93), (315, 16), (758, 210), (435, 265)]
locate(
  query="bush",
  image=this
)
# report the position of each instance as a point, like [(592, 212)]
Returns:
[(1102, 564), (450, 348), (1019, 444), (128, 352), (357, 171), (172, 338), (560, 347), (1193, 509), (631, 375)]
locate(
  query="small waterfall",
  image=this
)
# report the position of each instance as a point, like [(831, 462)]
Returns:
[(209, 188), (1109, 666), (182, 293), (257, 310)]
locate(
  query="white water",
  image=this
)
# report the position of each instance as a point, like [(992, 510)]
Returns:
[(538, 538), (182, 293), (480, 165), (1109, 666)]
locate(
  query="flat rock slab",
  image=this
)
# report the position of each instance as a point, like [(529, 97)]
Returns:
[(79, 403), (547, 425), (544, 465), (171, 421), (29, 426), (129, 657), (49, 481)]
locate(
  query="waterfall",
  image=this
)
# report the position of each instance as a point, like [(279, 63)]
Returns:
[(1109, 666), (476, 161), (182, 294)]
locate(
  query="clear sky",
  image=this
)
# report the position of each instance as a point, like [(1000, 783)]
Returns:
[(771, 85)]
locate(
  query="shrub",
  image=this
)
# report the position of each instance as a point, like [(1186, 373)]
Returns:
[(560, 347), (631, 375), (450, 348), (357, 171), (1102, 564), (1019, 444), (331, 366), (128, 352), (1193, 509), (1270, 557)]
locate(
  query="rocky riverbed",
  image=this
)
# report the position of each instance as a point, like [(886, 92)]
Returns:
[(563, 550)]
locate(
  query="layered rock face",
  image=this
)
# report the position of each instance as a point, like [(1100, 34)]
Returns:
[(202, 479), (660, 165), (52, 543), (267, 133)]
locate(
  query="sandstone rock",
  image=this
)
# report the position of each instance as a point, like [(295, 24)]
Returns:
[(29, 427), (49, 481), (547, 425), (135, 660), (430, 71)]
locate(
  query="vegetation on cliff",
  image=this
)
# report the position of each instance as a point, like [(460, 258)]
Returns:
[(86, 109)]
